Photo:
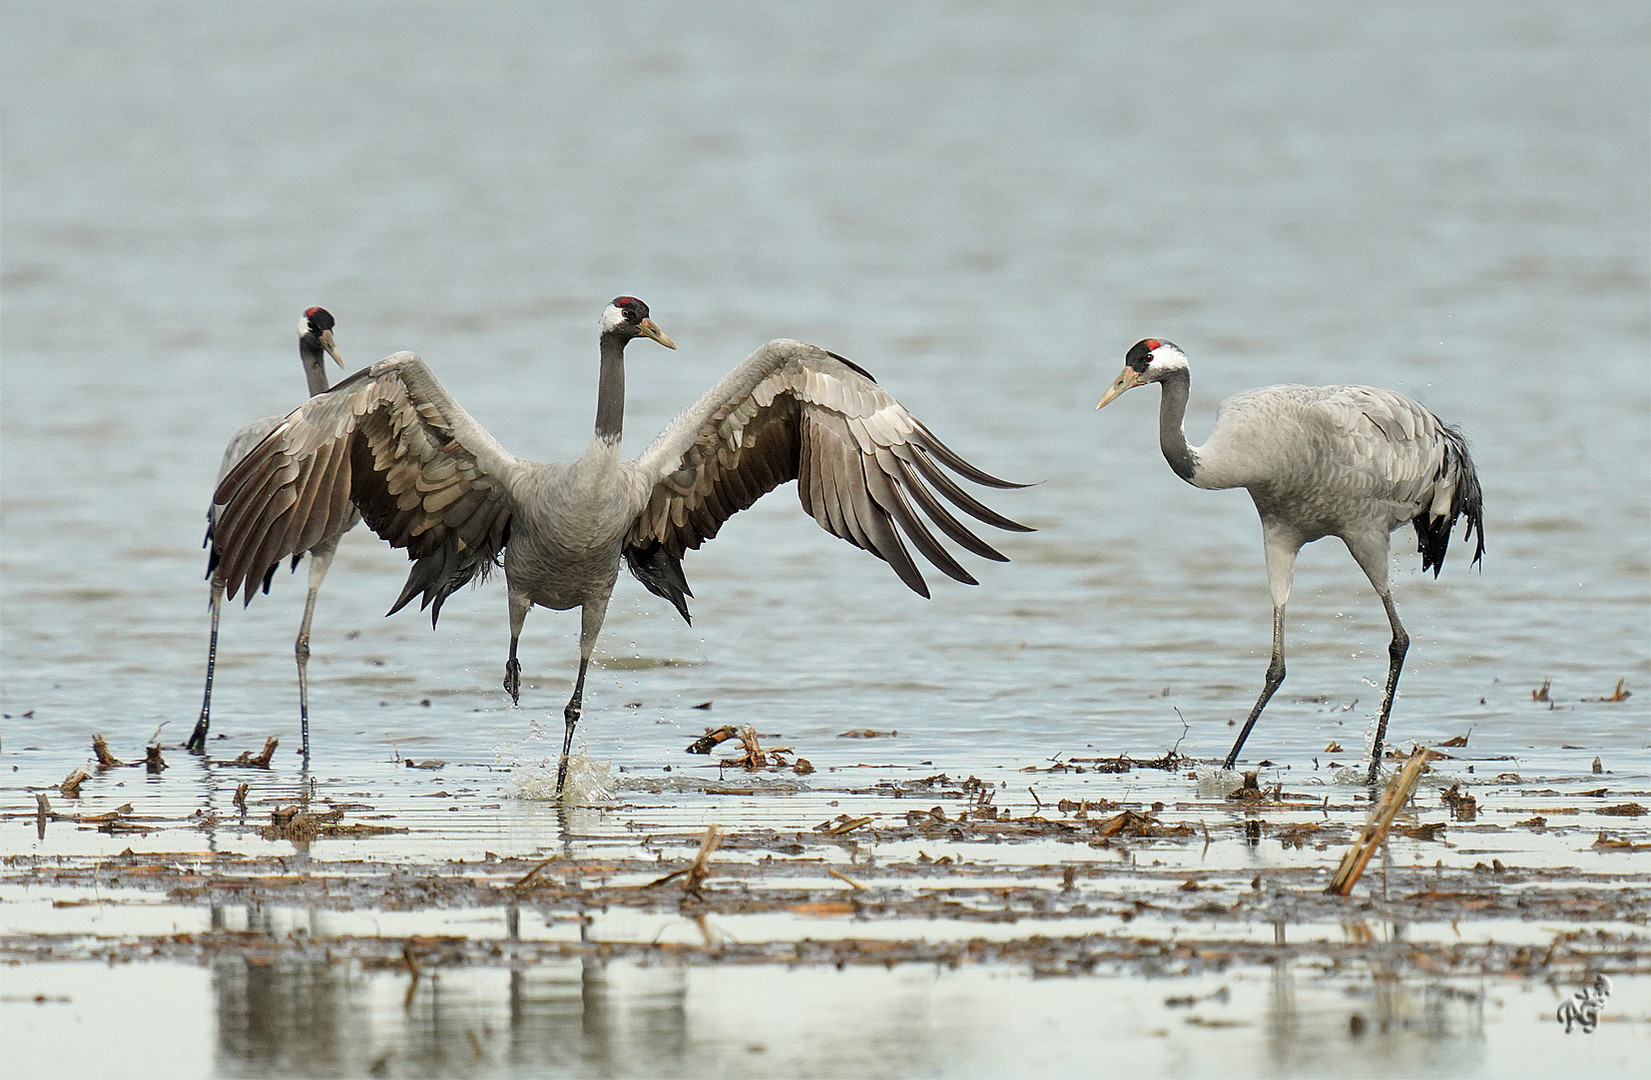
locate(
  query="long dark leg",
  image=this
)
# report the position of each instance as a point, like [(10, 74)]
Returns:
[(1281, 547), (513, 674), (513, 666), (590, 625), (320, 560), (197, 738), (1275, 679), (571, 714), (1396, 650), (1371, 553)]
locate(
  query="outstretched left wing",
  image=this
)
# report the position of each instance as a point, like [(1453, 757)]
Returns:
[(792, 411), (394, 443)]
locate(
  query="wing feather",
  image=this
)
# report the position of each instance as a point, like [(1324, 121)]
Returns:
[(795, 412), (424, 476), (313, 517)]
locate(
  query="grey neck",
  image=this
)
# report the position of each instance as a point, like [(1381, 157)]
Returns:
[(1172, 436), (610, 389), (315, 364)]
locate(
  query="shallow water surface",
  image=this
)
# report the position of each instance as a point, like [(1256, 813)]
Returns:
[(985, 205)]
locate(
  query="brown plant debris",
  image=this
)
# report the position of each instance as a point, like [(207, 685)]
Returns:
[(117, 820), (1296, 835), (247, 761), (1397, 793), (1132, 823), (1168, 761), (1619, 694), (241, 791), (1459, 740), (291, 822), (1628, 809), (841, 824), (694, 879), (533, 873), (1541, 692), (840, 876), (106, 818), (105, 760), (153, 761), (1081, 808), (753, 757), (711, 738), (70, 787), (1251, 791), (1463, 807)]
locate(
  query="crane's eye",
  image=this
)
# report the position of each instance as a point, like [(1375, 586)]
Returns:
[(633, 309)]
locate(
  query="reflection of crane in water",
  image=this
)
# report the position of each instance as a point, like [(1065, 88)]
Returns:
[(429, 479), (315, 344), (1356, 462)]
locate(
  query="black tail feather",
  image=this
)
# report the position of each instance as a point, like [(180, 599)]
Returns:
[(439, 575), (1433, 535), (661, 573)]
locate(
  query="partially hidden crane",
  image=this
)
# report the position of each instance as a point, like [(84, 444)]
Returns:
[(315, 344)]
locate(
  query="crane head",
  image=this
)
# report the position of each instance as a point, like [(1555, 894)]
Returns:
[(1148, 360), (318, 323), (628, 317)]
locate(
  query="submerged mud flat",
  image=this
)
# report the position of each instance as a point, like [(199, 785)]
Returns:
[(451, 922)]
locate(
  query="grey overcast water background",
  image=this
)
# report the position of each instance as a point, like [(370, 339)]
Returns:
[(984, 204)]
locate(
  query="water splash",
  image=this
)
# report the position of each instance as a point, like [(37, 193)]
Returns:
[(533, 764)]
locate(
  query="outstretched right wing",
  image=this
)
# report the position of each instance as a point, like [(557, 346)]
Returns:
[(390, 439)]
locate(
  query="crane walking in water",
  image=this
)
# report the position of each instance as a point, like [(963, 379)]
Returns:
[(315, 344), (428, 478), (1357, 462)]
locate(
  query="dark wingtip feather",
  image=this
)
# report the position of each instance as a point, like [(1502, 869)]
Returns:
[(958, 464), (960, 498)]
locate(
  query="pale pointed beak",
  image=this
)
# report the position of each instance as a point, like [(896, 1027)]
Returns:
[(1129, 378), (331, 347), (648, 327)]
